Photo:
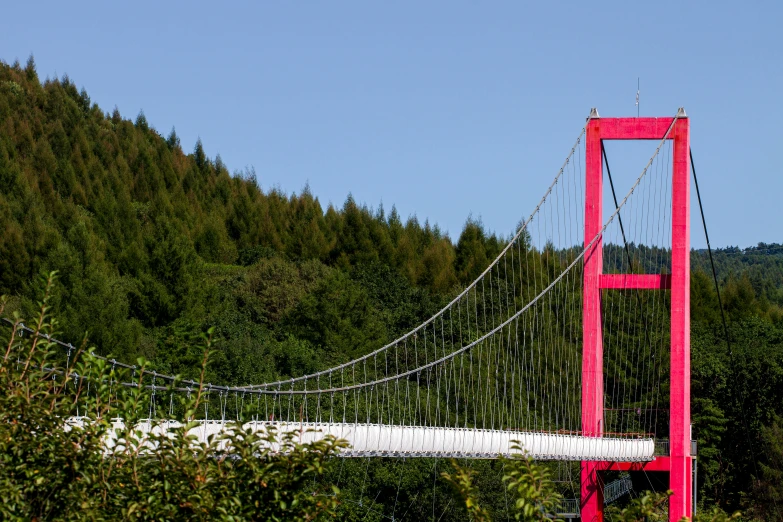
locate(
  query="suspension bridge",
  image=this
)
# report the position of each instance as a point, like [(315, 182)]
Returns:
[(572, 345)]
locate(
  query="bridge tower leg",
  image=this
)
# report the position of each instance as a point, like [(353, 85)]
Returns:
[(680, 503), (679, 463), (592, 507)]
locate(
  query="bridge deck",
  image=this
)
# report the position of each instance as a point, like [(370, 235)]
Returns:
[(420, 441)]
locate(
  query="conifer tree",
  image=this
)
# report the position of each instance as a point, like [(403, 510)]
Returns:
[(173, 140), (141, 121), (200, 156), (30, 72)]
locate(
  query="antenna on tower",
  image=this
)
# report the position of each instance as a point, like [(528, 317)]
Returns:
[(637, 96)]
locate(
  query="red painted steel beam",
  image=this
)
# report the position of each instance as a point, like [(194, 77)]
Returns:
[(633, 281), (591, 494), (658, 464), (634, 128), (679, 464), (680, 503), (592, 327)]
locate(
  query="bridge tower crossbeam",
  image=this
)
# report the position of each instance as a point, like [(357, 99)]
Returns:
[(679, 463)]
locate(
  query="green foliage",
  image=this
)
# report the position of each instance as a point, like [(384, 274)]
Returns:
[(338, 315), (55, 463), (769, 485), (716, 515), (475, 250), (750, 279), (129, 218), (535, 496), (649, 506), (736, 394), (461, 480)]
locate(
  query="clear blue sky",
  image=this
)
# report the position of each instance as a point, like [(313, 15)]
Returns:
[(442, 108)]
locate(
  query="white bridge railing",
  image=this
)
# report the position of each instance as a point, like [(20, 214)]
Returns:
[(420, 441)]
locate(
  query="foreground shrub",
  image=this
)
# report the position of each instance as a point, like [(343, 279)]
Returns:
[(56, 411)]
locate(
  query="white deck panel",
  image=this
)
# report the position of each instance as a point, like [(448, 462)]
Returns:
[(421, 441)]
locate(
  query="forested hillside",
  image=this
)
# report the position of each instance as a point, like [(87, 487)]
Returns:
[(155, 243), (148, 237), (753, 278)]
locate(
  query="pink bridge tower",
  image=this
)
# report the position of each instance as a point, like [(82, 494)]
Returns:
[(679, 462)]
